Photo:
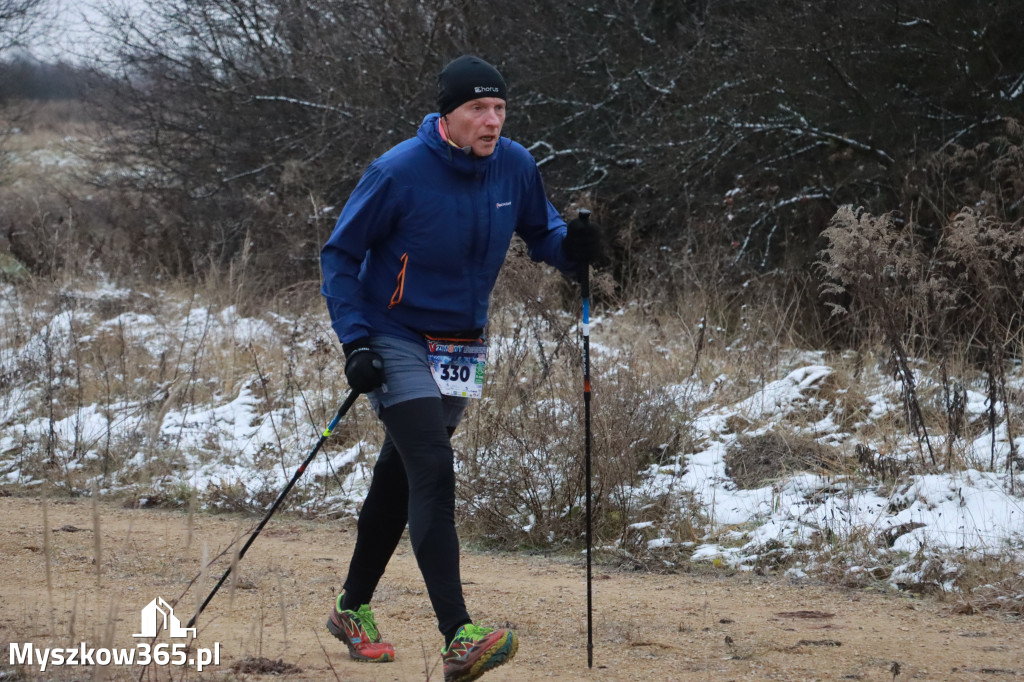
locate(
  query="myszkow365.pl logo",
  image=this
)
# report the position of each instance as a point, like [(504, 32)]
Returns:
[(156, 617)]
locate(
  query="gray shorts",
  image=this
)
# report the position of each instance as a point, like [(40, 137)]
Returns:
[(407, 377)]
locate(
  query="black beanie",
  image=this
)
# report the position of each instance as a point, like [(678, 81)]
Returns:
[(466, 78)]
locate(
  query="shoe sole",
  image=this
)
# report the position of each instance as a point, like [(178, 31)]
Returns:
[(339, 634), (499, 653)]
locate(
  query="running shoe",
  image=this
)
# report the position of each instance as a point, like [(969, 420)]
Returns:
[(358, 630), (475, 650)]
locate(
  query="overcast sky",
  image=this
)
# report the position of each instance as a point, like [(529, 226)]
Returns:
[(70, 34)]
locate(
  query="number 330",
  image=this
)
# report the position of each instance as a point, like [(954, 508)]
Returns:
[(455, 373)]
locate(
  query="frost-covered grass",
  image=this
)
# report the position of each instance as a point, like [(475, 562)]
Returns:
[(172, 396)]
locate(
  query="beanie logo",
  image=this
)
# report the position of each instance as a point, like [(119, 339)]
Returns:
[(503, 204), (485, 88)]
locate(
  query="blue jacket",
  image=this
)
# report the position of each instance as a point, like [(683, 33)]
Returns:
[(421, 239)]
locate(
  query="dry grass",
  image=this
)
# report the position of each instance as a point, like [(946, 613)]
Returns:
[(991, 585), (758, 461), (45, 143), (522, 451)]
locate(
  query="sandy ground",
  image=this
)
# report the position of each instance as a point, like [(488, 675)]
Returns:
[(708, 626)]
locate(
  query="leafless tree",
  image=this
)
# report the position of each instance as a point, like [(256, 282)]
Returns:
[(730, 130), (18, 21)]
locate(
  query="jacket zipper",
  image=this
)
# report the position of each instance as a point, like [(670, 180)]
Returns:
[(396, 297)]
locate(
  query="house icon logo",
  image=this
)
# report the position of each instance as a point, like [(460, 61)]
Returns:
[(158, 615)]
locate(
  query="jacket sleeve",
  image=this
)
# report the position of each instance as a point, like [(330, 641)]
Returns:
[(540, 225), (367, 217)]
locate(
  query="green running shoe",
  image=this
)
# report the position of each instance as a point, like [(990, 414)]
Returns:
[(358, 630), (475, 650)]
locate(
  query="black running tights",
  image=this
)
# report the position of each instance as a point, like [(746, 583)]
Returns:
[(414, 482)]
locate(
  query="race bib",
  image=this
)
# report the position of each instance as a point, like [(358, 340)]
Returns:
[(458, 368)]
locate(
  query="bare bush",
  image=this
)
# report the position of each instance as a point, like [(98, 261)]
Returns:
[(237, 115), (714, 130), (984, 261), (522, 448), (959, 296), (988, 176), (878, 266)]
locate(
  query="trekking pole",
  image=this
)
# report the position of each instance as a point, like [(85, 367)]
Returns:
[(584, 276), (295, 477)]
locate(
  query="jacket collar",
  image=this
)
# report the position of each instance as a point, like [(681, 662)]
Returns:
[(429, 134)]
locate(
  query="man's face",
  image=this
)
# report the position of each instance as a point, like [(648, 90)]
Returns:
[(477, 124)]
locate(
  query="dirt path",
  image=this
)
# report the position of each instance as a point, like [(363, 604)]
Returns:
[(647, 627)]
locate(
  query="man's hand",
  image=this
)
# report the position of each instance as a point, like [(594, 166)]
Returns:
[(364, 367), (582, 243)]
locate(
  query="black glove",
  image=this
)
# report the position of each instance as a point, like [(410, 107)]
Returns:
[(364, 367), (582, 243)]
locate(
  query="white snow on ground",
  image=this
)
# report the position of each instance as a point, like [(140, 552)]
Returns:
[(234, 440), (964, 511)]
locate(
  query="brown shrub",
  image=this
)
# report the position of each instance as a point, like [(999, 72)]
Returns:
[(757, 461)]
